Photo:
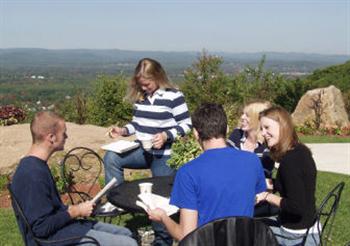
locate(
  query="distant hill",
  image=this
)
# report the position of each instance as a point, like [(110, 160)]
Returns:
[(338, 75), (114, 61)]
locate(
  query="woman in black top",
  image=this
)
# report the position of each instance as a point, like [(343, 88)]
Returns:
[(248, 137), (295, 180)]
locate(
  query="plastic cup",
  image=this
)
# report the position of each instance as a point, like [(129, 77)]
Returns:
[(145, 187)]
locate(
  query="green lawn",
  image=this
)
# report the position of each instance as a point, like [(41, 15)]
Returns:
[(9, 234), (324, 139)]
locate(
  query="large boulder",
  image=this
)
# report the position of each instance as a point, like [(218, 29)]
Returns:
[(323, 106)]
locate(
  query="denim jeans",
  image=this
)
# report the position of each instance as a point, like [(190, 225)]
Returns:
[(114, 165), (294, 239), (107, 234)]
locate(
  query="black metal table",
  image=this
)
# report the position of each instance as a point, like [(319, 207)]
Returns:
[(125, 194)]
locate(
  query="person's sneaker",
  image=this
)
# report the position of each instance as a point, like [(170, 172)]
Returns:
[(108, 208)]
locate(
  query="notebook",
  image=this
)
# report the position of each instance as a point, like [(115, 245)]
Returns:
[(121, 146)]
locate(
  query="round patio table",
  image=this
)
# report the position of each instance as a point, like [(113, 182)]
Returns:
[(125, 194)]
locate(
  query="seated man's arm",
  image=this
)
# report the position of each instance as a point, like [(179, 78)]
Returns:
[(188, 221)]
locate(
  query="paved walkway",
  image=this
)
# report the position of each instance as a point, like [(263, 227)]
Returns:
[(332, 157)]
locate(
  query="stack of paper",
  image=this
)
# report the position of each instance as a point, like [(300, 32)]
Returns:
[(152, 201), (120, 146)]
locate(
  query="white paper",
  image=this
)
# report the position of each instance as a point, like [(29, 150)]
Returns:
[(120, 146), (152, 201), (104, 190)]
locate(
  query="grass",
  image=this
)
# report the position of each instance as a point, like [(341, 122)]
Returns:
[(324, 139), (9, 234)]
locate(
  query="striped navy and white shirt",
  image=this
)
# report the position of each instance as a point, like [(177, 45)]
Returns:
[(165, 111)]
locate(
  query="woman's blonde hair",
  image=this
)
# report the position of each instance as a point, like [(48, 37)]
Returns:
[(148, 69), (288, 137), (253, 109)]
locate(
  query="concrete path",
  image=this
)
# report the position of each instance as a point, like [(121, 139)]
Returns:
[(332, 157)]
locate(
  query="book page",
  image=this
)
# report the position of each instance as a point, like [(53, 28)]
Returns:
[(104, 190), (152, 201)]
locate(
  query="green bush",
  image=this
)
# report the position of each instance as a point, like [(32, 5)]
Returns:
[(107, 105), (205, 81), (75, 109), (183, 150)]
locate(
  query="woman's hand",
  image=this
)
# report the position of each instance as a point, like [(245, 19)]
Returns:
[(117, 132), (261, 197), (159, 140)]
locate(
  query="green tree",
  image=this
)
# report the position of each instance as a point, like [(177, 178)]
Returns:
[(75, 109), (106, 104), (205, 81)]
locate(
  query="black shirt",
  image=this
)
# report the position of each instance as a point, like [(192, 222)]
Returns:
[(296, 181)]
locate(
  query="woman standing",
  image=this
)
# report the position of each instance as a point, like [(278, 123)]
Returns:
[(160, 114), (295, 180)]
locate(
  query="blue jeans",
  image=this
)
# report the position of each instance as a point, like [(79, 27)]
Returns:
[(114, 165), (294, 239), (107, 234)]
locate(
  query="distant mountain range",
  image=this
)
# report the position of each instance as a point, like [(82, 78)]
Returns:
[(114, 61)]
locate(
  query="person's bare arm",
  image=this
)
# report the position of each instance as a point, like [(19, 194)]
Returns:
[(188, 221)]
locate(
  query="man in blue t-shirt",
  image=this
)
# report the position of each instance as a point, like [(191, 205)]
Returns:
[(221, 182)]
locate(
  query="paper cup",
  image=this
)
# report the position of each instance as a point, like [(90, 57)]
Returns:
[(147, 144), (145, 187)]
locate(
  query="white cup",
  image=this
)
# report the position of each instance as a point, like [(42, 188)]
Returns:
[(145, 187), (147, 144)]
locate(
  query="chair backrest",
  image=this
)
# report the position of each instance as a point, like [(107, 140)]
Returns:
[(231, 231), (326, 212), (28, 235), (22, 222), (80, 170)]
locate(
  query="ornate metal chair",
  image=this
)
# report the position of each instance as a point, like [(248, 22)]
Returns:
[(81, 168), (325, 215), (231, 231), (26, 229)]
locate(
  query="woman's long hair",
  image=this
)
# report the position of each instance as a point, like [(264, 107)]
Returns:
[(253, 109), (288, 137), (148, 69)]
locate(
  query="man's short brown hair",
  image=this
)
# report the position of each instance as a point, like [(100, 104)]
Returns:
[(43, 123), (210, 121)]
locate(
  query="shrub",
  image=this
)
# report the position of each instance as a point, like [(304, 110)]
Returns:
[(183, 150), (107, 105), (205, 81), (10, 115), (75, 109)]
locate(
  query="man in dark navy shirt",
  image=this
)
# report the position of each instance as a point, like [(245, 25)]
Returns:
[(35, 190)]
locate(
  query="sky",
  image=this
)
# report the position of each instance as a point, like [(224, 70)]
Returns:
[(309, 26)]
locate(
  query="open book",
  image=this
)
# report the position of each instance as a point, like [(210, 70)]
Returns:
[(152, 201), (104, 190), (120, 146)]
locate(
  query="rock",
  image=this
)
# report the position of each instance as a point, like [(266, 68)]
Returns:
[(15, 141), (326, 103)]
